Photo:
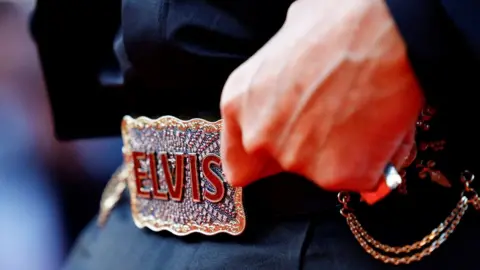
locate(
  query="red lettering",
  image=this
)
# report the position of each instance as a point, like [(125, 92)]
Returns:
[(157, 193), (194, 177), (175, 180), (213, 178), (174, 189), (140, 175)]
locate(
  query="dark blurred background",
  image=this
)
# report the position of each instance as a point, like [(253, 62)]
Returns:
[(48, 190)]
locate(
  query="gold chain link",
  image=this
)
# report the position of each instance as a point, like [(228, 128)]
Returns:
[(420, 249)]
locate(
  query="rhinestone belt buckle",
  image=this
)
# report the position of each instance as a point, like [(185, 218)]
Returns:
[(175, 177)]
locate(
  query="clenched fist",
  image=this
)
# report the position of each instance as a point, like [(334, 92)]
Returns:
[(331, 97)]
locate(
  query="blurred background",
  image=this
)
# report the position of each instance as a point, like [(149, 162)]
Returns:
[(48, 190)]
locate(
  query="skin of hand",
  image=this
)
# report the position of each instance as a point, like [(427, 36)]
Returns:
[(331, 97)]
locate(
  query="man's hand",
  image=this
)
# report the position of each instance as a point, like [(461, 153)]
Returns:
[(331, 97)]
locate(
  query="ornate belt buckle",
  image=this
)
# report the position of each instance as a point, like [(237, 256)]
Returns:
[(176, 181)]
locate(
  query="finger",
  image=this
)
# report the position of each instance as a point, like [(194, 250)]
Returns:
[(232, 152), (391, 179), (240, 168), (405, 152), (388, 182)]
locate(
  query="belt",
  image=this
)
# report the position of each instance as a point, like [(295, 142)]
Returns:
[(173, 173)]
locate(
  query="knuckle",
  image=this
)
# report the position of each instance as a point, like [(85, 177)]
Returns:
[(257, 136), (291, 162), (295, 154), (235, 77), (254, 142), (231, 95), (228, 108), (292, 10)]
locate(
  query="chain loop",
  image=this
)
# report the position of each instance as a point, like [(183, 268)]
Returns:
[(343, 198), (467, 177), (422, 248)]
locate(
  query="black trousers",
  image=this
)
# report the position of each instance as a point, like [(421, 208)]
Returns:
[(312, 236)]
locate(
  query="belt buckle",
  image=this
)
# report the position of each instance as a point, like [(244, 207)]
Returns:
[(176, 181)]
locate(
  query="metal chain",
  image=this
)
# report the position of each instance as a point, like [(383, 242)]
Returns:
[(112, 193), (422, 248)]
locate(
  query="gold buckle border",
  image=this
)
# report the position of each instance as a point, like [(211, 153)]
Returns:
[(129, 123)]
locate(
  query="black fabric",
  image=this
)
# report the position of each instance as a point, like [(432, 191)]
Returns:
[(74, 41), (321, 241), (177, 49), (443, 45), (176, 55)]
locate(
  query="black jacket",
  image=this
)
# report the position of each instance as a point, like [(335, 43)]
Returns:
[(175, 55)]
